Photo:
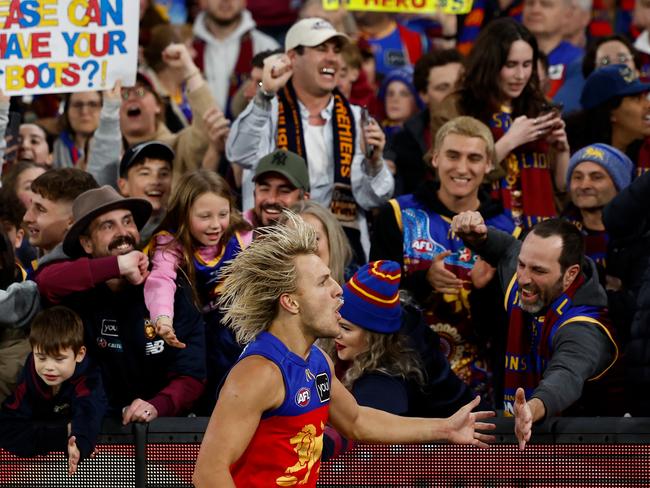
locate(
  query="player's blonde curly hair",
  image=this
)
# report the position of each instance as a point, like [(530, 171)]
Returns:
[(256, 279)]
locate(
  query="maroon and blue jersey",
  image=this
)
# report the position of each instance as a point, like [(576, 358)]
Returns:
[(208, 273), (286, 447), (559, 58), (426, 234)]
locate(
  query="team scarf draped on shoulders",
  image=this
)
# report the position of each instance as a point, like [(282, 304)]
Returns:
[(290, 136), (530, 336)]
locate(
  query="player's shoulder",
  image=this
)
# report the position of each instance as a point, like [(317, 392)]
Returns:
[(258, 367), (255, 378)]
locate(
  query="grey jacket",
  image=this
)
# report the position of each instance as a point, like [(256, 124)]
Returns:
[(106, 151), (580, 350)]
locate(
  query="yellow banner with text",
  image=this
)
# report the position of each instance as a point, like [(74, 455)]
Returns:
[(402, 6)]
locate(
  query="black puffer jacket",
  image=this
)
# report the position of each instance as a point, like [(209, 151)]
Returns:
[(627, 219)]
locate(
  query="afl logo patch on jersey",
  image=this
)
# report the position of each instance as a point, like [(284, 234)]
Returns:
[(302, 397)]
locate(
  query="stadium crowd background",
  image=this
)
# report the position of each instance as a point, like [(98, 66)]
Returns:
[(106, 198)]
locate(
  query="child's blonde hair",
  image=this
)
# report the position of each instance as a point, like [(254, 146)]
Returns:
[(177, 220)]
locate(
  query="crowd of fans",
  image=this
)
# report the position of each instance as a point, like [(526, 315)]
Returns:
[(478, 183)]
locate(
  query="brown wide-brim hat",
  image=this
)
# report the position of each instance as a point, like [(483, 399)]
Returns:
[(95, 202)]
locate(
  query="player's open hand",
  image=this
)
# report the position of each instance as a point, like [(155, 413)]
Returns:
[(464, 426)]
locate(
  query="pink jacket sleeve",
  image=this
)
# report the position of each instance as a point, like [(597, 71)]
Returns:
[(160, 287)]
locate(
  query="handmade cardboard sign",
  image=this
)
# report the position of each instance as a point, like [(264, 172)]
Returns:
[(54, 46)]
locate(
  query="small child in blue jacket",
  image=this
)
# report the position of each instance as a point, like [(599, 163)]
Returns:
[(59, 402)]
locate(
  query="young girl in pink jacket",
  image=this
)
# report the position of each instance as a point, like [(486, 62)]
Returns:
[(200, 234)]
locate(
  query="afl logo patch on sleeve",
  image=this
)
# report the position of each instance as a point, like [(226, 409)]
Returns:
[(323, 387)]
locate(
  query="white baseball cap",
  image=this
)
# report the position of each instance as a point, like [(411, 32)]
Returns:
[(311, 32)]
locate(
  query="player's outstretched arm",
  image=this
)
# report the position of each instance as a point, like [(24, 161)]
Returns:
[(370, 425), (253, 386)]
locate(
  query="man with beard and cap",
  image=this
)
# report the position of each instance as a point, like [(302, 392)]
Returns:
[(298, 107), (281, 180), (558, 334), (144, 378), (226, 41)]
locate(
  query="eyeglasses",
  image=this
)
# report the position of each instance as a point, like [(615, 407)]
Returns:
[(139, 92), (93, 106), (620, 59)]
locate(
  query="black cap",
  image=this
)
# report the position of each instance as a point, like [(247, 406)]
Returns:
[(150, 149)]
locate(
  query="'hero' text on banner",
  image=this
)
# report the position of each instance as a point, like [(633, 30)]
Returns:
[(404, 6), (54, 46)]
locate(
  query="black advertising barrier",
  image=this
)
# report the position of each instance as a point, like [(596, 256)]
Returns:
[(564, 452)]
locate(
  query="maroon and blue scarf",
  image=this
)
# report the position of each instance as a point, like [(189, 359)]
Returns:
[(606, 21), (68, 142), (527, 189), (596, 241)]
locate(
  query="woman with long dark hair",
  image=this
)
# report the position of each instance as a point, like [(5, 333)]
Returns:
[(501, 88)]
